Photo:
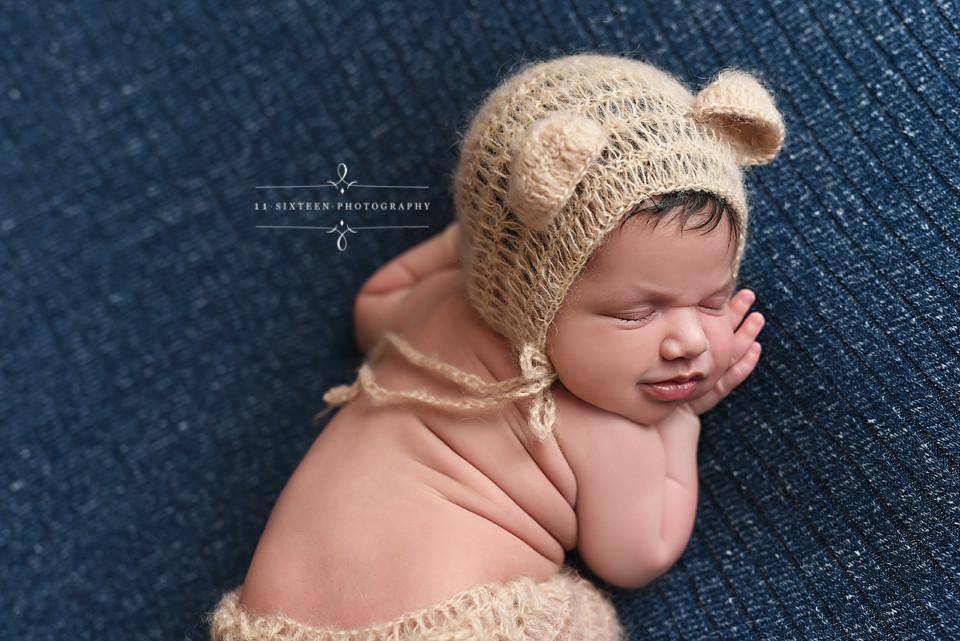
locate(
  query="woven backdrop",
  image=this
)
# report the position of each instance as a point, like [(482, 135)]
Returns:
[(162, 354)]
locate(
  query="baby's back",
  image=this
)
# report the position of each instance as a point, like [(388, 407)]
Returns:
[(398, 507)]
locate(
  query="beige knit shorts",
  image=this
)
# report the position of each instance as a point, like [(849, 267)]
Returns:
[(565, 607)]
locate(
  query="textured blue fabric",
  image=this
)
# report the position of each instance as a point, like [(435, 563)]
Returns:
[(162, 354)]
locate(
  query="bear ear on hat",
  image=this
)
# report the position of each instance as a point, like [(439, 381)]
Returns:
[(738, 105), (549, 159)]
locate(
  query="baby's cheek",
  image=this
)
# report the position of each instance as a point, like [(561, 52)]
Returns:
[(722, 345)]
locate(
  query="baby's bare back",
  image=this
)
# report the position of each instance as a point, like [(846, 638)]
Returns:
[(395, 508)]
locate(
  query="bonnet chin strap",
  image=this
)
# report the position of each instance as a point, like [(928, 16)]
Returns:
[(536, 379)]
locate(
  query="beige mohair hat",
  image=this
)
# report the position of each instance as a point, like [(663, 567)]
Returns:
[(553, 159)]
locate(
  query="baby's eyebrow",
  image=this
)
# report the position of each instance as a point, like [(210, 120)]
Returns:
[(729, 285), (659, 294)]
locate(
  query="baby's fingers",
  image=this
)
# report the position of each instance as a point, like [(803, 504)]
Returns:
[(735, 374), (741, 369), (745, 336), (739, 305)]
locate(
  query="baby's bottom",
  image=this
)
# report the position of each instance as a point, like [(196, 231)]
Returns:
[(565, 607)]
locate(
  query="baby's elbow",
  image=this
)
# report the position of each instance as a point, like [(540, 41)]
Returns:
[(374, 314), (634, 577)]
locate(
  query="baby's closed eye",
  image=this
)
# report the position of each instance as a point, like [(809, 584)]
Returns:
[(715, 304)]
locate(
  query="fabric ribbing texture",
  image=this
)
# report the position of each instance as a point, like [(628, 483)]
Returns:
[(553, 159), (564, 607)]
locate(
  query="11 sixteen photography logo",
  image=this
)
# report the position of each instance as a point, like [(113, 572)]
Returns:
[(340, 186)]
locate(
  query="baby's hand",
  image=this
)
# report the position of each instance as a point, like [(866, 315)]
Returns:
[(744, 356)]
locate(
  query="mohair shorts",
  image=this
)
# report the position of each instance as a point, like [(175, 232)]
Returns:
[(565, 607)]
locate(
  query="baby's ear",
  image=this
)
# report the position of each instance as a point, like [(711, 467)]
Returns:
[(549, 158), (738, 105)]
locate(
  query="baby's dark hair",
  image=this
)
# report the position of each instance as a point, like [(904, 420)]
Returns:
[(684, 205)]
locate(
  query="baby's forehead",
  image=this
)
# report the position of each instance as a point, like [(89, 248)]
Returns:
[(665, 276), (641, 248), (601, 279), (611, 266), (615, 285)]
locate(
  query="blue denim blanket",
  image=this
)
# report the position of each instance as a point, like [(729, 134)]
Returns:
[(165, 345)]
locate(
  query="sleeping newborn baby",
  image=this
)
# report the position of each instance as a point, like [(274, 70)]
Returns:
[(534, 375)]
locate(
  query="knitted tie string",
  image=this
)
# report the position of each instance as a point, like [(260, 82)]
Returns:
[(536, 377)]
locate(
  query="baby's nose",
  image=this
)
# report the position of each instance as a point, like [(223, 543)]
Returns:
[(686, 338)]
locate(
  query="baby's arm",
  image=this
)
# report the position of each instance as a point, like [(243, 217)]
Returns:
[(382, 297), (679, 433), (636, 491), (637, 485)]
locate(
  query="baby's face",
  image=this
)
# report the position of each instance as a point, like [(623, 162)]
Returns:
[(652, 304)]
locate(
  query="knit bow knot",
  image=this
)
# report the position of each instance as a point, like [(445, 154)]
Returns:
[(536, 368)]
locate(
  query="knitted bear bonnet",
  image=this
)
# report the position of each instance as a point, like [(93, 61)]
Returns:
[(553, 159)]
